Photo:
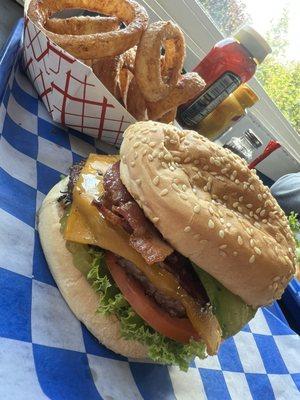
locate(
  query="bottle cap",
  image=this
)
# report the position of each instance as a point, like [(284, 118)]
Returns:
[(245, 96), (253, 42)]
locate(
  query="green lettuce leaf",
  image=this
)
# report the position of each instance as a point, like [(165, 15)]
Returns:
[(295, 227), (161, 349)]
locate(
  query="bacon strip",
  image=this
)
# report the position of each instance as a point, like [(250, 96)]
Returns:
[(119, 207)]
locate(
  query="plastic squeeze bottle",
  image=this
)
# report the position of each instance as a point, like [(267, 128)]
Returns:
[(229, 63), (231, 110)]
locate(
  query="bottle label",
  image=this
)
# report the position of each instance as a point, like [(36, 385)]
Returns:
[(210, 99)]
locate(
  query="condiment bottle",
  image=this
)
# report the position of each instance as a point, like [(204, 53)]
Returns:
[(245, 145), (230, 63), (227, 113)]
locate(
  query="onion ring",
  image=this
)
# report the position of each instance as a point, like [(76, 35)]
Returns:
[(97, 45), (169, 117), (129, 59), (82, 25), (189, 86), (148, 70), (136, 104), (107, 70), (125, 77)]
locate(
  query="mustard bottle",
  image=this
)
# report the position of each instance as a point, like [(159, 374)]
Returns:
[(227, 113)]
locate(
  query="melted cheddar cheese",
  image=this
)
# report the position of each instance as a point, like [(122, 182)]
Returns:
[(86, 225)]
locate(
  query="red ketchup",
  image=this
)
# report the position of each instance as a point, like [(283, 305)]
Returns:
[(230, 63)]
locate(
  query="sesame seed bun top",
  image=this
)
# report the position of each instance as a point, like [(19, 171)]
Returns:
[(211, 208)]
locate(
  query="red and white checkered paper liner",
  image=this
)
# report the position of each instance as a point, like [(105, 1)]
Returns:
[(71, 92)]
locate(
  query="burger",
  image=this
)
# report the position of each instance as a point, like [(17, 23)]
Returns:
[(168, 249)]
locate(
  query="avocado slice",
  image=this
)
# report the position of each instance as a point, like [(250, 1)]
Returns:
[(231, 311)]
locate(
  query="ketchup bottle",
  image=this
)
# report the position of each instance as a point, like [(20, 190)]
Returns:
[(229, 63)]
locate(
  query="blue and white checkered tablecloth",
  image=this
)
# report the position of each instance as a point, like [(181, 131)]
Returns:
[(44, 350)]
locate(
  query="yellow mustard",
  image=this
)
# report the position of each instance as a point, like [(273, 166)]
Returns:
[(228, 112)]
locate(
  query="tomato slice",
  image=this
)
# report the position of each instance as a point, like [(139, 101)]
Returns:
[(179, 329)]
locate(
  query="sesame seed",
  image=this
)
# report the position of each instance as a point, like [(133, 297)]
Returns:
[(156, 180), (264, 221), (225, 197), (144, 140), (252, 244), (175, 187), (150, 157), (208, 185), (195, 169), (138, 182), (213, 196), (217, 162), (264, 196), (155, 219), (205, 168), (258, 210), (252, 259), (224, 170), (235, 253), (197, 209), (177, 159), (240, 240), (187, 229), (132, 163), (211, 211), (235, 205), (251, 213), (205, 188), (223, 246), (252, 187), (241, 199), (256, 224), (228, 224), (184, 187), (211, 224), (168, 157), (196, 162), (187, 160), (173, 141), (164, 165), (256, 217), (212, 160), (240, 209), (249, 205), (221, 233), (144, 152), (259, 196), (183, 196), (197, 236), (152, 144), (257, 250), (136, 145), (222, 220), (194, 190), (164, 192)]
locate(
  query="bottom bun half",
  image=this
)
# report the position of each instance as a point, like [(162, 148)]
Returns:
[(74, 287)]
